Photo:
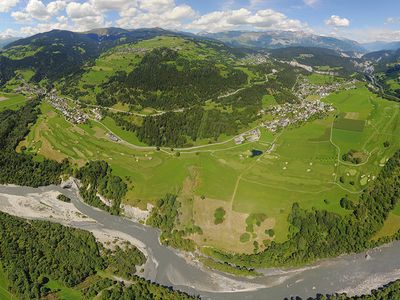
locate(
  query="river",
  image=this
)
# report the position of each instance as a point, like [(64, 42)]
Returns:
[(354, 274)]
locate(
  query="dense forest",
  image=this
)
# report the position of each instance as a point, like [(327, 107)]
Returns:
[(34, 252), (166, 80), (96, 178), (178, 129), (18, 168), (30, 252), (318, 234)]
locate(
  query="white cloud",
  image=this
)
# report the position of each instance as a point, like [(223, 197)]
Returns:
[(56, 6), (156, 6), (181, 12), (392, 20), (85, 16), (118, 5), (6, 5), (337, 21), (43, 27), (310, 2), (8, 33), (155, 13), (21, 16), (266, 19), (77, 10), (366, 35), (36, 9)]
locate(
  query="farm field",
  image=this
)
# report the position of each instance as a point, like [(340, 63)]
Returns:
[(302, 164)]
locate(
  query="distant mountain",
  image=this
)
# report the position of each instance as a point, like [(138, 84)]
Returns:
[(384, 59), (4, 41), (282, 39), (319, 58), (68, 50), (58, 53), (380, 45)]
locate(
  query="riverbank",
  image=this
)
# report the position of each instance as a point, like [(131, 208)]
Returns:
[(352, 273)]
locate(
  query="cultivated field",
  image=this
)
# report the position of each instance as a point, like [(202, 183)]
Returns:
[(302, 164)]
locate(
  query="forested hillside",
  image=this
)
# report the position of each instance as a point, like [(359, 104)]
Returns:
[(33, 253), (68, 51), (165, 79), (18, 168)]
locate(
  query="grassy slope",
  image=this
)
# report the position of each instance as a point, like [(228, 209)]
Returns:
[(11, 101), (303, 167)]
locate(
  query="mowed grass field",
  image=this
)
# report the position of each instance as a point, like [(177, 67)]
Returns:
[(11, 101), (301, 164)]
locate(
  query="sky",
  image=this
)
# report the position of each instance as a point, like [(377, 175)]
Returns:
[(360, 20)]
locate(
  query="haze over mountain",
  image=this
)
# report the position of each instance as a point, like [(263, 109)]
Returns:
[(7, 40), (280, 39), (381, 45)]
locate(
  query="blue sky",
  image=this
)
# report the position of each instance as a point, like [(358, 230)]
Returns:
[(362, 20)]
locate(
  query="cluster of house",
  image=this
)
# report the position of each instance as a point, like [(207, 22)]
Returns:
[(30, 89), (304, 88), (74, 115), (97, 114), (292, 113), (113, 137), (255, 59), (128, 49), (249, 136)]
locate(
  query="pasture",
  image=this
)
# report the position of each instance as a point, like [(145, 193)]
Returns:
[(301, 164), (11, 101)]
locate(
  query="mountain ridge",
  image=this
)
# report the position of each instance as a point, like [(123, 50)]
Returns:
[(282, 39)]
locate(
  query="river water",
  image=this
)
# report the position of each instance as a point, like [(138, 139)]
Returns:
[(354, 274)]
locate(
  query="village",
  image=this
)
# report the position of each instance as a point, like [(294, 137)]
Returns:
[(299, 112), (30, 90), (74, 115), (279, 116), (295, 113)]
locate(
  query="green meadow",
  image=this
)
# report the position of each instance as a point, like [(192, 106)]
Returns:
[(302, 164), (11, 101), (4, 293)]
